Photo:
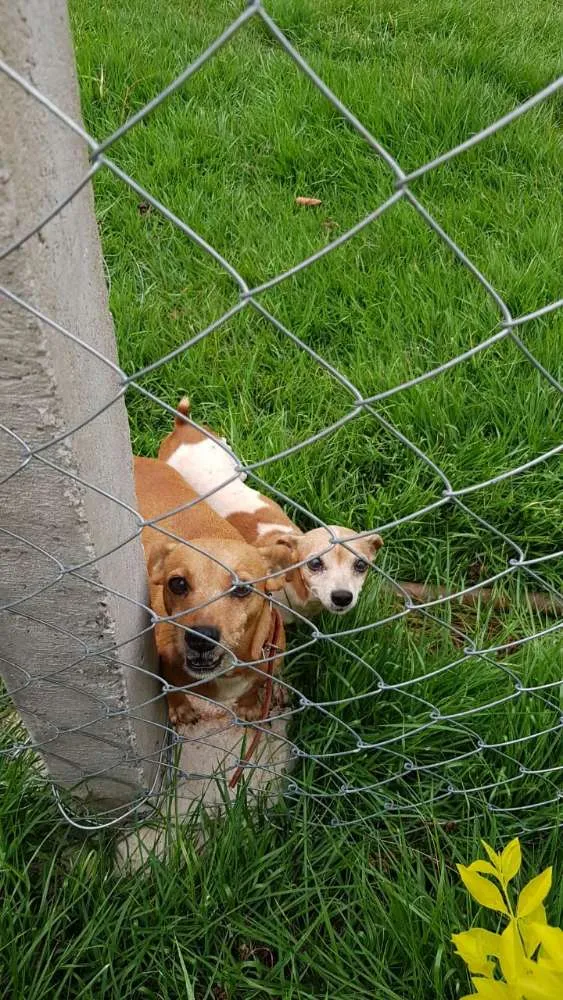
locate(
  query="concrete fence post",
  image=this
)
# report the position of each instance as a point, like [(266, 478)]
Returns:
[(96, 718)]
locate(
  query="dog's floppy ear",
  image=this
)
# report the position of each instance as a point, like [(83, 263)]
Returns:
[(262, 634), (280, 553), (374, 543), (156, 558)]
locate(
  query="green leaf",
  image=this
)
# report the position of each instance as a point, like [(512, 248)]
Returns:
[(534, 893), (483, 891), (475, 946), (494, 857), (511, 859)]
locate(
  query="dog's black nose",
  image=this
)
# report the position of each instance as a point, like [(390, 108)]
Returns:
[(203, 638), (341, 598)]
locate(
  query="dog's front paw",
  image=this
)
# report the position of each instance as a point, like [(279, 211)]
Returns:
[(181, 711), (280, 699), (251, 706)]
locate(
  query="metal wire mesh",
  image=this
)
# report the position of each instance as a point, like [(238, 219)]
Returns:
[(405, 775)]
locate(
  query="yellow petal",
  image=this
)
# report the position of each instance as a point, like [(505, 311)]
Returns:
[(493, 856), (484, 867), (541, 985), (512, 958), (489, 989), (475, 946), (511, 859), (529, 933), (483, 891), (551, 939), (534, 893)]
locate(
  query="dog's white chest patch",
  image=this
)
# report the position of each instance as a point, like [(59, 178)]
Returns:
[(267, 527), (206, 465)]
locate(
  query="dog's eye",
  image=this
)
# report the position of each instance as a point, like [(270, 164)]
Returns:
[(360, 565), (316, 565), (242, 590), (178, 585)]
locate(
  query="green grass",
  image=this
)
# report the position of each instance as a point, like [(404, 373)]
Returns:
[(289, 905)]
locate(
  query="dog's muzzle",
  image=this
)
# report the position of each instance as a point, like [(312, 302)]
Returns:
[(203, 655)]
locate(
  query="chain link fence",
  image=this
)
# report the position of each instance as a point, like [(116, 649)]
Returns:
[(427, 761)]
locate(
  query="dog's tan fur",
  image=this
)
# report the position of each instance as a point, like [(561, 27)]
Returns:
[(244, 622), (259, 520)]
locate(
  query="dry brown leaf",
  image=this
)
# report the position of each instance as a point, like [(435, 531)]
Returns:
[(308, 201)]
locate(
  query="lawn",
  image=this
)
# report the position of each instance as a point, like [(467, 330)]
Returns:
[(334, 895)]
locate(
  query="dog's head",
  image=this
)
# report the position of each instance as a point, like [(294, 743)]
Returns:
[(205, 589), (333, 578)]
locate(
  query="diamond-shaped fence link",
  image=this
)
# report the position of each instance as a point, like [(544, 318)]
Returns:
[(412, 769)]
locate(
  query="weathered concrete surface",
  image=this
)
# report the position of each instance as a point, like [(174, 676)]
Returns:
[(52, 639)]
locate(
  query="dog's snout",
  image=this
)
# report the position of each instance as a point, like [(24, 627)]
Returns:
[(341, 598), (203, 638)]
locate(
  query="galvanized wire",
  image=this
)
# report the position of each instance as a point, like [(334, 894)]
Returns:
[(399, 784)]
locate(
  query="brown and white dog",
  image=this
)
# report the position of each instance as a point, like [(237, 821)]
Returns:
[(226, 620), (332, 575)]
